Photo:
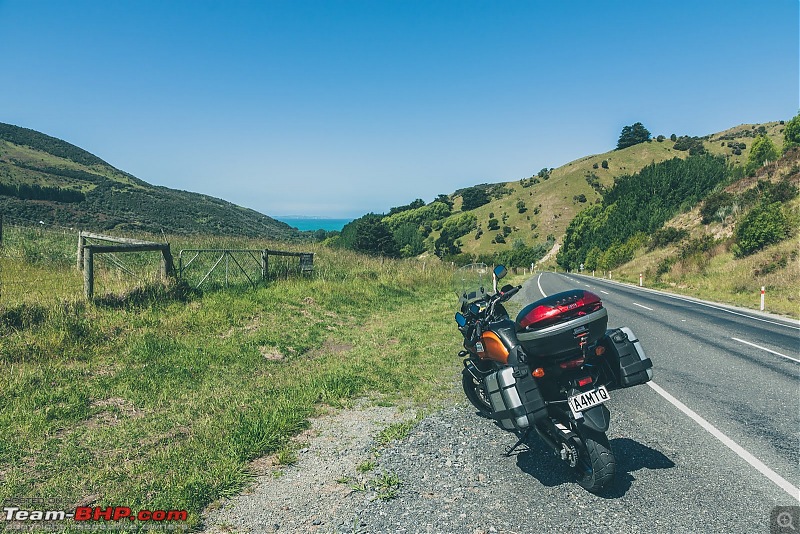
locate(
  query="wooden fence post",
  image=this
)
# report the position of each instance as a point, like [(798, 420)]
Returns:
[(88, 272), (81, 245), (264, 265), (167, 264)]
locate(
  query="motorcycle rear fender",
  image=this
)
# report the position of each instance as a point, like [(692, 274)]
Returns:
[(597, 418)]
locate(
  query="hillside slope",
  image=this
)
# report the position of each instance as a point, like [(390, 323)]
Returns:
[(704, 262), (549, 203), (43, 178)]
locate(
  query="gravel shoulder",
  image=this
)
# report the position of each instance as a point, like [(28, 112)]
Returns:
[(450, 475), (324, 489)]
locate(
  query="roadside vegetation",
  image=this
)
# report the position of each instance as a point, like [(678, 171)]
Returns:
[(160, 399), (739, 236)]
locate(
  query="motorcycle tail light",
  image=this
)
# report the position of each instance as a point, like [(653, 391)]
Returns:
[(572, 364), (599, 350), (558, 307), (585, 381), (538, 372)]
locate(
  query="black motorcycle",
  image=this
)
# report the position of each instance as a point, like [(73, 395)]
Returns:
[(550, 370)]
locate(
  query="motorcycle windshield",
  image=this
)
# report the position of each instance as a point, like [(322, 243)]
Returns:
[(472, 282)]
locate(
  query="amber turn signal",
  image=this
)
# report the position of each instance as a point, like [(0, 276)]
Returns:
[(600, 350), (538, 372)]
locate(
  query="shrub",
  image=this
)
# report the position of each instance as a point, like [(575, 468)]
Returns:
[(765, 225), (664, 236), (762, 151), (713, 204), (665, 265), (473, 197)]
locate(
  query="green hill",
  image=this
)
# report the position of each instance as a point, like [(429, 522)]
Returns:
[(550, 204), (43, 178), (701, 251)]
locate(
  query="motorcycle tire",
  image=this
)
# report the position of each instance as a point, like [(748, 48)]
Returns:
[(474, 391), (596, 466)]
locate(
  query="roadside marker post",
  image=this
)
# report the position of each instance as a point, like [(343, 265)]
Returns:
[(762, 298), (640, 279)]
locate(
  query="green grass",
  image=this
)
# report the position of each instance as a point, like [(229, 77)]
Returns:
[(387, 486), (365, 466), (161, 403), (397, 431)]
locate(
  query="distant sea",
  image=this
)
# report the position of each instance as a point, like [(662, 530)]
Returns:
[(314, 223)]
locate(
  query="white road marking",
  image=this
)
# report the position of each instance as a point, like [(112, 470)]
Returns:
[(766, 349), (645, 307), (699, 303), (604, 292), (539, 283), (781, 482)]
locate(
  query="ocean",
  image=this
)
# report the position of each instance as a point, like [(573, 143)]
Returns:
[(314, 223)]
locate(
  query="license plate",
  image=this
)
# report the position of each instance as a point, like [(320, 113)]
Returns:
[(588, 399)]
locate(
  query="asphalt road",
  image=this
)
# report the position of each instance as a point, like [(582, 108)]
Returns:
[(730, 453), (710, 445)]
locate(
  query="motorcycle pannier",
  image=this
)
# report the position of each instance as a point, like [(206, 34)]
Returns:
[(625, 359), (516, 401), (556, 326)]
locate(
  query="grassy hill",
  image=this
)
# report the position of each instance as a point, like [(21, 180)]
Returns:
[(703, 262), (46, 179), (552, 203)]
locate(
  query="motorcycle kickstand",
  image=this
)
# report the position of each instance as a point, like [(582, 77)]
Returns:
[(519, 442)]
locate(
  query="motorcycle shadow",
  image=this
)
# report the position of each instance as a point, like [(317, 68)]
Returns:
[(631, 456)]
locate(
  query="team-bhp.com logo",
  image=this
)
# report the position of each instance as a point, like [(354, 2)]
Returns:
[(21, 516)]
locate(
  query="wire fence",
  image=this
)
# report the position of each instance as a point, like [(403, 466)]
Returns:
[(38, 265)]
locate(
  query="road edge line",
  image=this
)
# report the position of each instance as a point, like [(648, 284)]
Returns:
[(727, 308), (778, 480)]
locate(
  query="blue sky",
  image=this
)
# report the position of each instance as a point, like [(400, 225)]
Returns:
[(338, 108)]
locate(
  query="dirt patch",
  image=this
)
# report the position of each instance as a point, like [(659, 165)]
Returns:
[(252, 326), (112, 410), (271, 353), (312, 494)]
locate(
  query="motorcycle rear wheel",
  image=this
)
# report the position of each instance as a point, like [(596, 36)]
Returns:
[(474, 391), (596, 464)]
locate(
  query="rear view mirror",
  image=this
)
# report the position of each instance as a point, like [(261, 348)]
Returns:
[(500, 271), (460, 319)]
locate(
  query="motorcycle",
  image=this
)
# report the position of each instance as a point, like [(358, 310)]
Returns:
[(549, 371)]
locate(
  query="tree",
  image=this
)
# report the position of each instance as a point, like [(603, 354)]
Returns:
[(409, 240), (633, 135), (762, 150), (445, 199), (418, 203), (764, 225), (452, 229), (370, 235), (473, 197), (791, 134)]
